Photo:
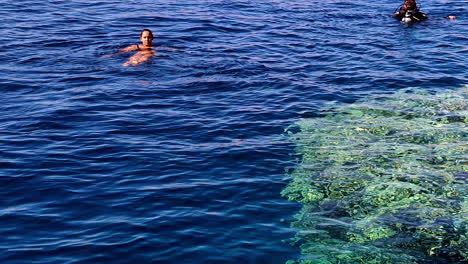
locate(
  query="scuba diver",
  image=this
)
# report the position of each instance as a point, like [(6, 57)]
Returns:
[(409, 12)]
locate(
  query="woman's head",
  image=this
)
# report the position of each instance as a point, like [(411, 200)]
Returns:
[(146, 37)]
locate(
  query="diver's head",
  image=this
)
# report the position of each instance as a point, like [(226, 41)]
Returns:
[(146, 37), (409, 4)]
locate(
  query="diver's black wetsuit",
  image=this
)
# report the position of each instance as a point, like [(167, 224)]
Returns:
[(415, 14)]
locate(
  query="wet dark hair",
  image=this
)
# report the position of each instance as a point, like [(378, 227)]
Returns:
[(151, 32), (410, 4)]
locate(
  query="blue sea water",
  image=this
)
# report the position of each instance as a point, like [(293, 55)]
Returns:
[(182, 159)]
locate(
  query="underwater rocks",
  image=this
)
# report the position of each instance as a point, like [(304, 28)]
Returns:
[(383, 180)]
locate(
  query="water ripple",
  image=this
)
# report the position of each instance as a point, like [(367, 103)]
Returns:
[(183, 158)]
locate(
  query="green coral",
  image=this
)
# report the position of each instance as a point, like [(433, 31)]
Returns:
[(383, 180)]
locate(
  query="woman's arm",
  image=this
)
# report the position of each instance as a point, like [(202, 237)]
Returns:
[(127, 49), (139, 57)]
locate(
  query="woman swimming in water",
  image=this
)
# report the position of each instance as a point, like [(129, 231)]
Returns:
[(144, 51), (409, 11)]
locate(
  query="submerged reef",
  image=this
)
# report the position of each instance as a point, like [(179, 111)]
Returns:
[(384, 180)]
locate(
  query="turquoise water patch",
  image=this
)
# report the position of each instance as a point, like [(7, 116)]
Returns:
[(383, 180)]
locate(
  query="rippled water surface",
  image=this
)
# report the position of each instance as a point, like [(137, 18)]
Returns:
[(182, 158)]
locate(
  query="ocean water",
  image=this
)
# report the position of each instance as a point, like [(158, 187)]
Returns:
[(182, 158)]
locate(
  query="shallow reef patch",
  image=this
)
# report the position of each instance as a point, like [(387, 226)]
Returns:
[(383, 180)]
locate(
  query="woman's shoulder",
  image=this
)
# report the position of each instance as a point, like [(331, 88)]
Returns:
[(131, 48), (134, 47)]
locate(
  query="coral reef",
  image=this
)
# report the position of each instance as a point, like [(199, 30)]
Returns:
[(383, 180)]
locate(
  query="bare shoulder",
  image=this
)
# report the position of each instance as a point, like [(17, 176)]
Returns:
[(129, 48)]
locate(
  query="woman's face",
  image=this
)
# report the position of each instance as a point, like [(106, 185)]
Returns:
[(146, 38)]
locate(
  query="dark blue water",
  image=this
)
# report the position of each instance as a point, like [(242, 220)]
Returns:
[(182, 159)]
